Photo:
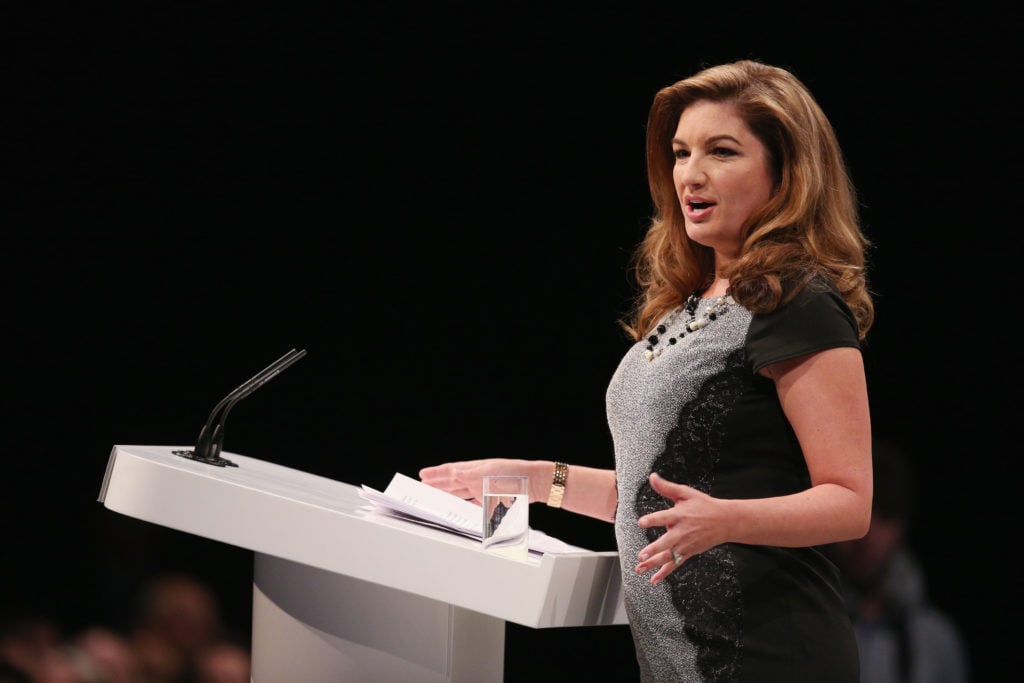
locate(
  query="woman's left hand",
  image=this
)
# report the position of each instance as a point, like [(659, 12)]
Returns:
[(693, 524)]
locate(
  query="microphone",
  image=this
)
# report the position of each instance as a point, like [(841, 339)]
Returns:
[(211, 436)]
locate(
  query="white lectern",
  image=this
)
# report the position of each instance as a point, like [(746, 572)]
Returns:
[(344, 594)]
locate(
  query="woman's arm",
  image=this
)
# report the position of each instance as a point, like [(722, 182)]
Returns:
[(588, 491), (824, 396)]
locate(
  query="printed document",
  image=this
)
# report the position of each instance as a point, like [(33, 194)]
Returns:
[(412, 500)]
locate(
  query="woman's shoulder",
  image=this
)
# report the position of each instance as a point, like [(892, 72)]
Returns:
[(813, 319)]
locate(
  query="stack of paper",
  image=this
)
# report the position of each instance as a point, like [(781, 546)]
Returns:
[(412, 500)]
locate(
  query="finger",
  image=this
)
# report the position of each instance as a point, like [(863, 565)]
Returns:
[(652, 558), (667, 488), (675, 559), (665, 518), (448, 472), (660, 575), (434, 471)]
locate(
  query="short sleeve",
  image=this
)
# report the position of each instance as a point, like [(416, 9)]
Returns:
[(815, 320)]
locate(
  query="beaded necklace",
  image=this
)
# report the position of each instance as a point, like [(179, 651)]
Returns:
[(717, 307)]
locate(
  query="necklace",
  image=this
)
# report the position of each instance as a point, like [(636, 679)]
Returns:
[(717, 307)]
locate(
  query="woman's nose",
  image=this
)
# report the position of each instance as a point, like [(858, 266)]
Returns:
[(693, 174)]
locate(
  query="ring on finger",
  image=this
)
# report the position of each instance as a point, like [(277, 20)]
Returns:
[(676, 557)]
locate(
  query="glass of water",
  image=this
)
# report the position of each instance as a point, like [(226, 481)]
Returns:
[(506, 515)]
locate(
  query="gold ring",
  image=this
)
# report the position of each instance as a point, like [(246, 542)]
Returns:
[(676, 557)]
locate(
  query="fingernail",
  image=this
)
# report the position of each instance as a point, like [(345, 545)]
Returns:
[(643, 557)]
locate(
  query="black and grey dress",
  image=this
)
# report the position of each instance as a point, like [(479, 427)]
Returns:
[(698, 414)]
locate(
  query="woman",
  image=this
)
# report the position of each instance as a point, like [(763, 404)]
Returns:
[(740, 416)]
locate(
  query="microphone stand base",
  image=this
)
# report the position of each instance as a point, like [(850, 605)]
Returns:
[(217, 461)]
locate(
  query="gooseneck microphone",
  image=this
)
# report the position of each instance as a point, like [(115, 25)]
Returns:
[(211, 436)]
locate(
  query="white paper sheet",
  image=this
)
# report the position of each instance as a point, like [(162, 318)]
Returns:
[(411, 499)]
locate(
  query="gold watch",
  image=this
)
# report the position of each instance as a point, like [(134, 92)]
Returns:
[(558, 485)]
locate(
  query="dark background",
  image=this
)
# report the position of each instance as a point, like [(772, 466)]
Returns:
[(438, 204)]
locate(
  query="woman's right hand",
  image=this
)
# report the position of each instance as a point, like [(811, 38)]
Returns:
[(465, 478)]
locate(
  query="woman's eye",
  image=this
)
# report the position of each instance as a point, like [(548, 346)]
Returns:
[(723, 151), (681, 153)]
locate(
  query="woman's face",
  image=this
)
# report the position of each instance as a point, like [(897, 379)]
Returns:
[(722, 174)]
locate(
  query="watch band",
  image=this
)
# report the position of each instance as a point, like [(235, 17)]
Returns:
[(558, 485)]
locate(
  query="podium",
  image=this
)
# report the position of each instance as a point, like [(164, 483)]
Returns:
[(341, 593)]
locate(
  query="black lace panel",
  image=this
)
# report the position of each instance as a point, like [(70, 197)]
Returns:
[(705, 590)]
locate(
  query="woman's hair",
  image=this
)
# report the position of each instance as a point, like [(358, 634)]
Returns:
[(810, 225)]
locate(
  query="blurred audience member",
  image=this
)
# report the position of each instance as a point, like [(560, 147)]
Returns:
[(104, 656), (32, 651), (902, 636), (179, 621), (223, 662), (178, 637)]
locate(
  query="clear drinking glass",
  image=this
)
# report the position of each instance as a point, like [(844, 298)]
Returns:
[(506, 515)]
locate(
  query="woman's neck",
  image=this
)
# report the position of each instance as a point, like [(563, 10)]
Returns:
[(718, 287)]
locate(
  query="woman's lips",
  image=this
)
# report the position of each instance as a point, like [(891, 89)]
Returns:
[(697, 210)]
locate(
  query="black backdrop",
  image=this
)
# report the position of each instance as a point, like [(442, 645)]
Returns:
[(438, 203)]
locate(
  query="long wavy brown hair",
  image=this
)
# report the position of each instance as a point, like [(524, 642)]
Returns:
[(810, 225)]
